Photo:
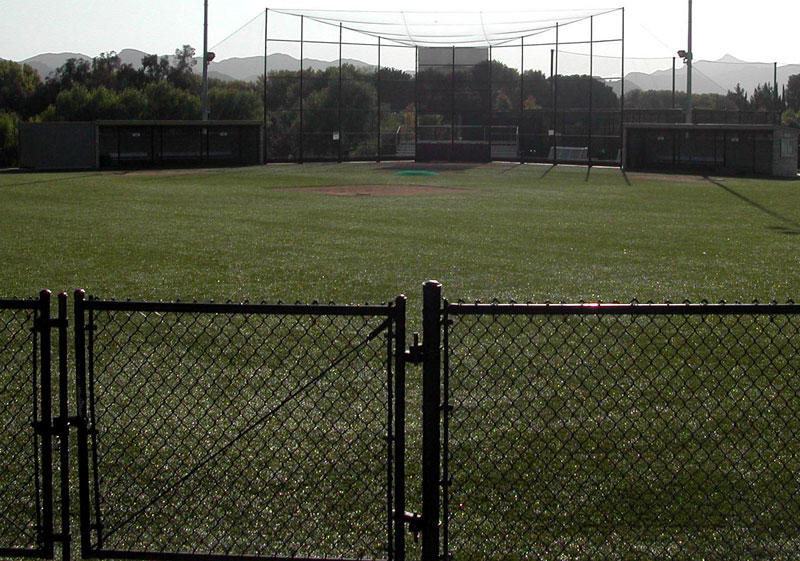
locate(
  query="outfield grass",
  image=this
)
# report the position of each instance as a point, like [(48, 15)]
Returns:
[(622, 417), (516, 232)]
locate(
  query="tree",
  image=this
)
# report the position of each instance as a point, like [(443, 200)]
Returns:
[(234, 103), (18, 84), (155, 69), (764, 98), (74, 71), (180, 74), (739, 98), (793, 92), (8, 139), (165, 101)]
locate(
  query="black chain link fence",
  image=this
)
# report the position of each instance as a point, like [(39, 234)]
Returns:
[(239, 429), (21, 500), (621, 432)]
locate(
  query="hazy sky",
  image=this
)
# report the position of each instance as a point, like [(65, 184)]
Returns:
[(755, 31)]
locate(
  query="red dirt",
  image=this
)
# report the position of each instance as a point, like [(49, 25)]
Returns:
[(149, 172), (378, 190), (668, 177)]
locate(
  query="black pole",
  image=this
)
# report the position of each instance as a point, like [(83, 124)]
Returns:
[(591, 80), (339, 143), (673, 82), (44, 422), (491, 105), (378, 91), (521, 91), (431, 417), (622, 93), (775, 95), (416, 100), (555, 104), (453, 104), (266, 41), (400, 427), (302, 135), (63, 410), (83, 421)]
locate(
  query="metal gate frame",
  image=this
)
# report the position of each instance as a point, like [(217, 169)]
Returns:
[(45, 426), (392, 327)]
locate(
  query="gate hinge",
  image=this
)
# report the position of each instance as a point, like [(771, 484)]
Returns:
[(414, 352)]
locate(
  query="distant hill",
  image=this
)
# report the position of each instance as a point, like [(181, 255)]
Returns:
[(717, 76), (711, 76), (247, 69)]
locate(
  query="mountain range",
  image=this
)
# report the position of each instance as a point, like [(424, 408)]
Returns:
[(247, 68), (717, 76)]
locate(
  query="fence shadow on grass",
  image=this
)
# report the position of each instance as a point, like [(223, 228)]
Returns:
[(790, 227)]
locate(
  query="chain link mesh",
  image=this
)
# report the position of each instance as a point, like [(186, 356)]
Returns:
[(19, 482), (629, 436), (241, 433)]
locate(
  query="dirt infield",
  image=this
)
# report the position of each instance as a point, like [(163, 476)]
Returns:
[(672, 178), (378, 190), (161, 172)]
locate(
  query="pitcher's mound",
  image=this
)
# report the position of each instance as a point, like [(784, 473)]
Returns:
[(380, 190)]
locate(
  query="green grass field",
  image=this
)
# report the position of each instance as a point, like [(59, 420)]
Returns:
[(643, 431), (515, 232)]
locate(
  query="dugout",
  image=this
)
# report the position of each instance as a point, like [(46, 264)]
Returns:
[(140, 144), (730, 149)]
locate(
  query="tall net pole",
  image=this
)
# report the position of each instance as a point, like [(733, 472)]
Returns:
[(205, 61), (266, 41)]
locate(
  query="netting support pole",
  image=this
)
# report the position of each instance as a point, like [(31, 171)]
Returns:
[(453, 104), (775, 81), (416, 100), (266, 42), (521, 90), (302, 135), (378, 91), (622, 95), (555, 102), (339, 104), (591, 85), (673, 82), (491, 105)]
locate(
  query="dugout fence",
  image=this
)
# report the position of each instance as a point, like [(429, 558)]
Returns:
[(582, 430)]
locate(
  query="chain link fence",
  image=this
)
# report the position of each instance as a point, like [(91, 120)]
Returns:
[(24, 489), (621, 432), (238, 429)]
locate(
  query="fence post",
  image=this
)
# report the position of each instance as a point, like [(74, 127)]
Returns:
[(400, 428), (46, 423), (83, 434), (64, 423), (431, 417)]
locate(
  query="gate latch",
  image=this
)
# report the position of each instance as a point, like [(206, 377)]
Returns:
[(414, 522), (414, 352)]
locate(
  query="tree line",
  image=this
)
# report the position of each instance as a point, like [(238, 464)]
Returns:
[(168, 88)]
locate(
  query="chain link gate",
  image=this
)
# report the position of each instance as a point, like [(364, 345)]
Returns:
[(229, 431), (28, 427), (596, 431)]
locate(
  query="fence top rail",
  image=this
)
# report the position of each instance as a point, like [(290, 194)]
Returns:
[(185, 556), (19, 304), (635, 308), (240, 308)]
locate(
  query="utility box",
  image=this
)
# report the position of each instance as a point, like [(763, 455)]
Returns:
[(769, 150)]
